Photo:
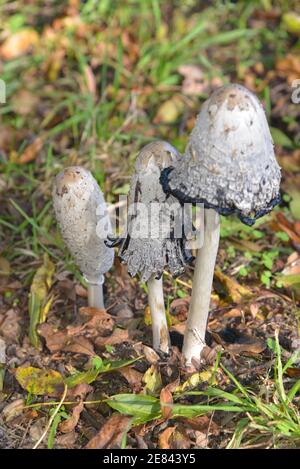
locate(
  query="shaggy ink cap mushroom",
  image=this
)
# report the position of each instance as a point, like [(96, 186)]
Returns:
[(157, 246), (81, 212), (229, 164)]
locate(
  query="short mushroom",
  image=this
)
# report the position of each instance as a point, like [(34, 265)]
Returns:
[(229, 166), (151, 242), (81, 212)]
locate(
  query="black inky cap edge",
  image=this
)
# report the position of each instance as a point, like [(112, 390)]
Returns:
[(183, 198)]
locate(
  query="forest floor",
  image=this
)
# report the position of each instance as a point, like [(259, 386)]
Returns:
[(89, 83)]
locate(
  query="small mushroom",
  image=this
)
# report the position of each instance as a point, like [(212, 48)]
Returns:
[(81, 212), (229, 166), (152, 241)]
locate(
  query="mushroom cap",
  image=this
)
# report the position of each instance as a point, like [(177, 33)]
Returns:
[(151, 241), (229, 163), (81, 212)]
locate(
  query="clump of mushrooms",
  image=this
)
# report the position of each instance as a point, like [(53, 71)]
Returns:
[(230, 167), (151, 242), (81, 212)]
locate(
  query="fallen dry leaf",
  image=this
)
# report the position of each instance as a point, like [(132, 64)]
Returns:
[(80, 390), (68, 425), (67, 440), (235, 291), (152, 380), (151, 356), (30, 153), (164, 437), (40, 382), (203, 423), (169, 111), (166, 400), (133, 377), (110, 435), (10, 327), (66, 340), (117, 337), (13, 409), (99, 321), (19, 44), (289, 67), (293, 372), (281, 223)]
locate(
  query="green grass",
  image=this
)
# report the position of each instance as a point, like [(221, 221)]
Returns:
[(268, 418)]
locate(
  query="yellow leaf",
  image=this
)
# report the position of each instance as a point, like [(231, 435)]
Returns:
[(291, 21), (40, 382), (40, 286), (152, 379), (195, 379), (147, 316), (169, 111), (235, 291)]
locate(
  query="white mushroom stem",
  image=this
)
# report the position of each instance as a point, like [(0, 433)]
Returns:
[(161, 338), (194, 338), (95, 292)]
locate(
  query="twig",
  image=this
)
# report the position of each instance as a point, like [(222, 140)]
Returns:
[(177, 280), (46, 404), (52, 417)]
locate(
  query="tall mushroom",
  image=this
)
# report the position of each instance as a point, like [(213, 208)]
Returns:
[(229, 166), (81, 212), (151, 241)]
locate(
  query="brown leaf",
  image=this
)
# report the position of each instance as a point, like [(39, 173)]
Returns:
[(90, 79), (203, 423), (117, 337), (293, 265), (287, 227), (289, 67), (68, 425), (133, 377), (67, 440), (10, 327), (164, 437), (111, 433), (13, 409), (80, 390), (293, 372), (30, 153), (65, 340), (233, 313), (201, 440), (99, 321), (80, 345), (18, 44), (166, 399)]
